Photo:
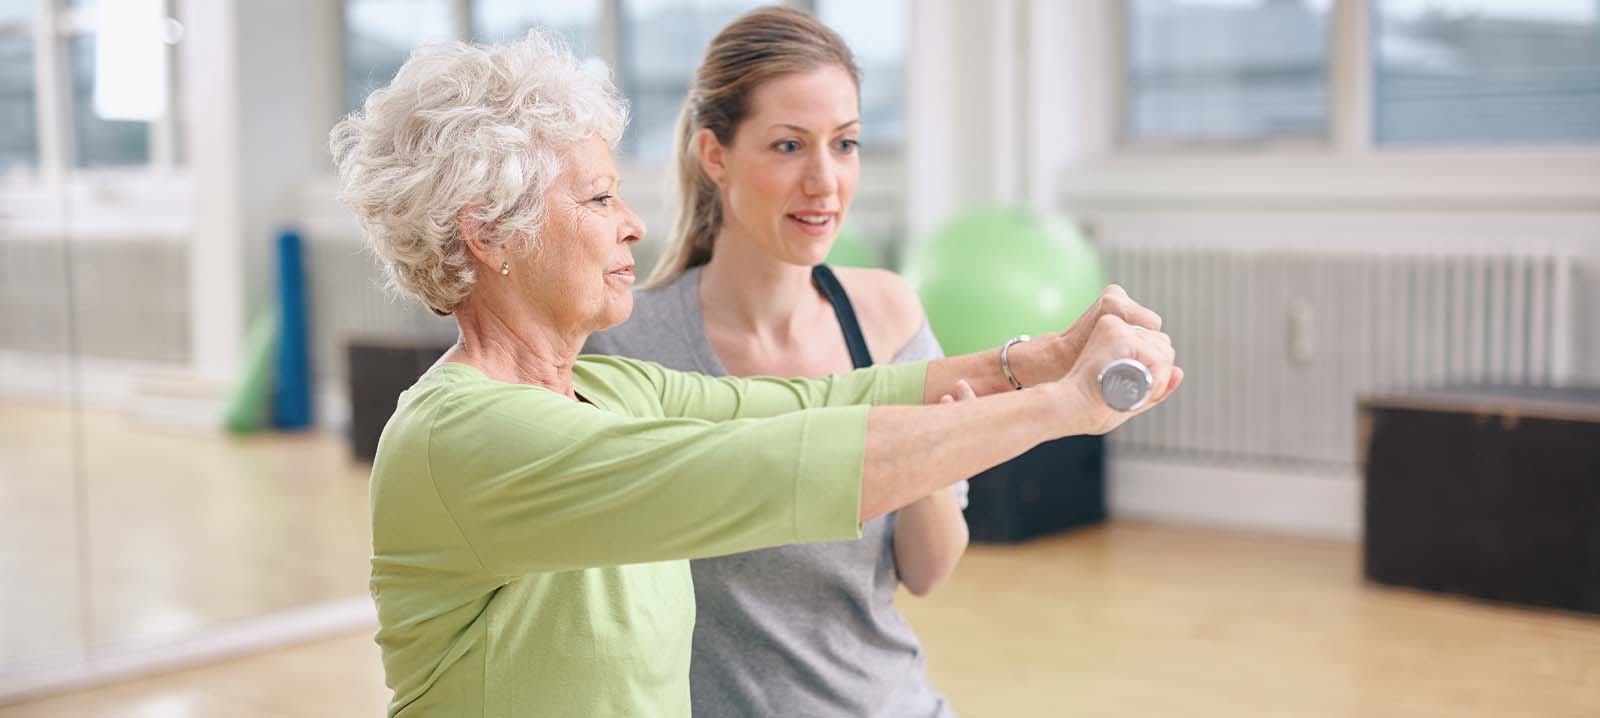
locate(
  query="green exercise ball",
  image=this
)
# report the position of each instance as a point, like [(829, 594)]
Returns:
[(997, 272), (851, 249)]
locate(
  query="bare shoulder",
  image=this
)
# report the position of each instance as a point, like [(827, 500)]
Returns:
[(887, 306)]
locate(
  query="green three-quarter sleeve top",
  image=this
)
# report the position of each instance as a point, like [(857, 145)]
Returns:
[(529, 551)]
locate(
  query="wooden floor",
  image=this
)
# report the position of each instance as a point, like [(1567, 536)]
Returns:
[(1124, 620), (181, 529)]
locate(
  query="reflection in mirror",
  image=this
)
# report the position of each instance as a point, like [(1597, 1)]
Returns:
[(133, 517), (40, 553), (40, 451)]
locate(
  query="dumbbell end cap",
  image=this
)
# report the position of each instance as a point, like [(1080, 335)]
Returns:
[(1125, 384)]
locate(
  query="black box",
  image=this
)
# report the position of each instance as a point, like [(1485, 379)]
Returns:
[(377, 372), (1491, 492), (1056, 485)]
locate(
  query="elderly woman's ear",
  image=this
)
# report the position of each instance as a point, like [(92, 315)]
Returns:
[(472, 230)]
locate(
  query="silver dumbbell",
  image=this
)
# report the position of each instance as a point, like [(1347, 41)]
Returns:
[(1125, 384)]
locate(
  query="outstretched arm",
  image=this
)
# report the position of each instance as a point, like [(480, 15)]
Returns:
[(531, 482)]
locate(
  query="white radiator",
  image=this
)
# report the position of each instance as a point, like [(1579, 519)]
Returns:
[(128, 297), (1277, 346)]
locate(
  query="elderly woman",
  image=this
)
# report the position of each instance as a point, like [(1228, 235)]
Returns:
[(532, 511)]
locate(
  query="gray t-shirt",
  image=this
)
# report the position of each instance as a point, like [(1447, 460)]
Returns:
[(802, 630)]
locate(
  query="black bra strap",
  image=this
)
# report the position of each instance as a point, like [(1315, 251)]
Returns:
[(834, 292)]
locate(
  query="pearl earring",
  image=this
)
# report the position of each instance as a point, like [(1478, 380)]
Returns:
[(505, 268)]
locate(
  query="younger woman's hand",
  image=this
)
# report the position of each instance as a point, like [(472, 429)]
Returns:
[(963, 389)]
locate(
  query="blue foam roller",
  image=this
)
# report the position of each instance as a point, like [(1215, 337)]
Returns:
[(291, 399)]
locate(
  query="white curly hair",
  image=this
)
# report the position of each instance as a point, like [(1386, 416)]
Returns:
[(466, 127)]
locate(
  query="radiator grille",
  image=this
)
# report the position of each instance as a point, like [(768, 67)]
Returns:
[(1278, 346), (131, 297)]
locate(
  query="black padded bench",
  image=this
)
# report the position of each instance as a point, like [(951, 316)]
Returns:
[(1485, 491)]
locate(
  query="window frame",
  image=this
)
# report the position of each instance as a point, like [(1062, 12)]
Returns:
[(608, 42), (54, 197), (649, 182), (1093, 169), (1124, 105), (53, 28)]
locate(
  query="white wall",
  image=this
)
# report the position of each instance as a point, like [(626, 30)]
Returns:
[(211, 112), (262, 90), (289, 81), (958, 109)]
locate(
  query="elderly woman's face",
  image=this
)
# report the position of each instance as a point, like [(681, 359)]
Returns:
[(793, 166), (583, 271)]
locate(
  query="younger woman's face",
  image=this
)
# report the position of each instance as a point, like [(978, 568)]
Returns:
[(792, 168)]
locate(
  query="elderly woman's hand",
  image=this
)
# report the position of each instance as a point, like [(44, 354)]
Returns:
[(1113, 302), (1110, 338), (1060, 351)]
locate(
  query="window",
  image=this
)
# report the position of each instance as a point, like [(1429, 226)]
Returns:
[(1226, 69), (19, 135), (876, 34), (379, 36), (496, 21), (139, 36), (1484, 72), (653, 45), (142, 36), (1433, 73), (663, 42), (99, 142)]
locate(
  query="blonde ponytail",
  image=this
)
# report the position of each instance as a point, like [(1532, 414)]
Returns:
[(699, 208)]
